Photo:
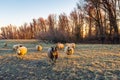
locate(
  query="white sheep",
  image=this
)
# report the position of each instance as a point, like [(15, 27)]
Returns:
[(69, 50), (53, 53), (39, 47), (21, 51), (5, 44), (15, 47)]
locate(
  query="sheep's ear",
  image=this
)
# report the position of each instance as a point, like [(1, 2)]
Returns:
[(52, 48), (20, 45), (68, 47), (56, 48)]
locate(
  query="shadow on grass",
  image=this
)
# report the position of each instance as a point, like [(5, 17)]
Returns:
[(14, 68)]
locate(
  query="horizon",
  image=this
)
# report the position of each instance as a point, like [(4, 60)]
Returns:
[(18, 12)]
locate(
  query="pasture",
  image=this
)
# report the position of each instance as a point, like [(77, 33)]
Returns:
[(90, 62)]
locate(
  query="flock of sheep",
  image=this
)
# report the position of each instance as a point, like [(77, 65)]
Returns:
[(52, 51)]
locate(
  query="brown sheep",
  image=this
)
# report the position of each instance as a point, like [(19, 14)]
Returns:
[(53, 53), (38, 47), (60, 45)]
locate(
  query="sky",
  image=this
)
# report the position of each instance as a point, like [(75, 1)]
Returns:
[(17, 12)]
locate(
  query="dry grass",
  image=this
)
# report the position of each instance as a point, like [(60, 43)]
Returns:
[(90, 62)]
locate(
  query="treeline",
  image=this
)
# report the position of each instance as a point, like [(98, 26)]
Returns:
[(98, 21)]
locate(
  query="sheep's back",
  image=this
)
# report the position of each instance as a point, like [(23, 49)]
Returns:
[(22, 50)]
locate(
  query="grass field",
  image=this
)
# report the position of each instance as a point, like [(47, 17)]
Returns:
[(90, 62)]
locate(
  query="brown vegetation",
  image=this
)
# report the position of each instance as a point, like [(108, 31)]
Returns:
[(95, 22)]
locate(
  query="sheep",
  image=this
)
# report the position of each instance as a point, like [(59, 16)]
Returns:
[(5, 45), (15, 47), (38, 47), (69, 50), (60, 45), (70, 45), (53, 53), (21, 51)]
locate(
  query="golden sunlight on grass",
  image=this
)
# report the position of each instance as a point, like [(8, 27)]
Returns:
[(93, 62)]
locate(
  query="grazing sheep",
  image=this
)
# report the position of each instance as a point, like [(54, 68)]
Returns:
[(15, 47), (60, 45), (5, 45), (70, 45), (69, 50), (21, 51), (53, 53), (38, 47)]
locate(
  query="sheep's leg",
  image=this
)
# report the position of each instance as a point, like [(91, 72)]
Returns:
[(54, 60)]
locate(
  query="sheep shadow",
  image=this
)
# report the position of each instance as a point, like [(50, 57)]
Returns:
[(33, 50), (15, 68), (4, 51)]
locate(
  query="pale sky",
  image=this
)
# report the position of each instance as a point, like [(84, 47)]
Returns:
[(17, 12)]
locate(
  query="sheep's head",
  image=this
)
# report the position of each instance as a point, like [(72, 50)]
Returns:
[(54, 51), (70, 51), (18, 51), (20, 45), (39, 47)]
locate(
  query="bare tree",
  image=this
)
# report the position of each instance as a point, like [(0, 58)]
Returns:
[(111, 6), (51, 24), (42, 24), (63, 28)]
